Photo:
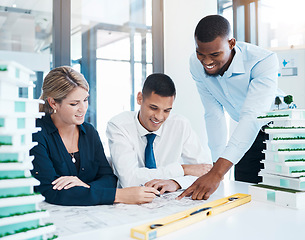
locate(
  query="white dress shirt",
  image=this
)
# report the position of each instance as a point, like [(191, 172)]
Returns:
[(175, 144)]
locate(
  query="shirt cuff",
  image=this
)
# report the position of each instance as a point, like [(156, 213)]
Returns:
[(185, 181)]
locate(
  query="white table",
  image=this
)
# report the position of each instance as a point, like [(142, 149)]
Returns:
[(252, 221)]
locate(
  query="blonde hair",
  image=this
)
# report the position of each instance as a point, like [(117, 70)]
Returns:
[(58, 83)]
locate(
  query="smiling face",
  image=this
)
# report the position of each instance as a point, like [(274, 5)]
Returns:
[(72, 109), (154, 110), (215, 56)]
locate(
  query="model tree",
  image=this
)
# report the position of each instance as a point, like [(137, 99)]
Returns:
[(288, 99), (277, 102)]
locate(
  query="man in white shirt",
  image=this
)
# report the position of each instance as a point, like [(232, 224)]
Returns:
[(179, 158)]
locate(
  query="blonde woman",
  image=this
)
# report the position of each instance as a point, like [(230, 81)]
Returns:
[(69, 160)]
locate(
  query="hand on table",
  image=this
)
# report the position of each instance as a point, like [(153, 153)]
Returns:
[(163, 185), (135, 195), (202, 188), (207, 184), (66, 182)]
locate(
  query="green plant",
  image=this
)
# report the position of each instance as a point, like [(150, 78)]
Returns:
[(19, 177), (289, 138), (25, 230), (8, 161), (19, 195), (21, 213), (297, 171), (272, 116), (295, 160), (3, 68), (277, 102), (3, 143), (284, 127), (290, 149), (288, 99), (277, 188), (53, 237)]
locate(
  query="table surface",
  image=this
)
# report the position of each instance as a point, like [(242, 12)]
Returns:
[(254, 220)]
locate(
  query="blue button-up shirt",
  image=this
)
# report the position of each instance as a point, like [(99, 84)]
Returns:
[(246, 90), (52, 160)]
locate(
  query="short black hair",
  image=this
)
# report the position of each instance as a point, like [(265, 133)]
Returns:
[(160, 84), (211, 27)]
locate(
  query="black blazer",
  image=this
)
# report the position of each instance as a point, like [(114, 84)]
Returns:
[(52, 160)]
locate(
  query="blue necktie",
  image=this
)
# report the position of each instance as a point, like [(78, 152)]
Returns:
[(149, 152)]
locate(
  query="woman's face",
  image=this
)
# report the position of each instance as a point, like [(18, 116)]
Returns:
[(73, 108)]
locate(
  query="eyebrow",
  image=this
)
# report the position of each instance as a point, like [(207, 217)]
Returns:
[(78, 100), (152, 105), (217, 52)]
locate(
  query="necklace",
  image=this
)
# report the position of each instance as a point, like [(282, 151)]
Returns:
[(73, 158), (72, 154)]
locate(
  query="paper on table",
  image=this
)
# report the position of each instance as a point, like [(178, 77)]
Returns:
[(73, 219)]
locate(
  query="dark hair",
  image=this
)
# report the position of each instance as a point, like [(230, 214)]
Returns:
[(160, 84), (211, 27)]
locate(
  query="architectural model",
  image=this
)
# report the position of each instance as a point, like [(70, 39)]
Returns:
[(284, 173), (20, 216)]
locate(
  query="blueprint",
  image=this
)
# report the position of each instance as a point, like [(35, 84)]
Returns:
[(74, 219)]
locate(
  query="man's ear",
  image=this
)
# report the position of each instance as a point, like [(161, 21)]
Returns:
[(139, 98), (232, 43)]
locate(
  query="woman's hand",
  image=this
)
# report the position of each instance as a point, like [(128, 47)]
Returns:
[(67, 182), (135, 195)]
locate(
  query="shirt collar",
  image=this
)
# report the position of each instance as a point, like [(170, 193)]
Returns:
[(237, 64), (142, 131), (50, 126)]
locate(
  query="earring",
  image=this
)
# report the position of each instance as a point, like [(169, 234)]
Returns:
[(54, 111)]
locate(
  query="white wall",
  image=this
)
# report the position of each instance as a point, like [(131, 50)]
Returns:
[(180, 20), (292, 84)]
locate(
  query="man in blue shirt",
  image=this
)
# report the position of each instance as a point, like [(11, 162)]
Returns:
[(242, 79)]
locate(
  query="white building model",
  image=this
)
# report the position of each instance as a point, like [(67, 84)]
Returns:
[(284, 173), (20, 216)]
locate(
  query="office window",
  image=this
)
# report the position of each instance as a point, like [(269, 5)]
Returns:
[(111, 44), (267, 23), (26, 26), (281, 23), (225, 8), (26, 37), (245, 18)]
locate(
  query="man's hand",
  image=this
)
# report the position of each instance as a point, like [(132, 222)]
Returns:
[(66, 182), (196, 170), (163, 185), (207, 184)]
